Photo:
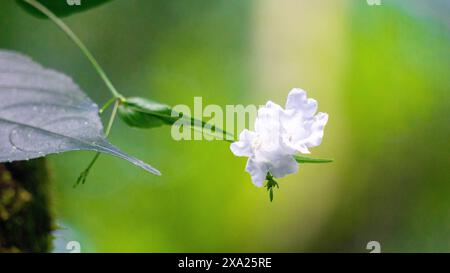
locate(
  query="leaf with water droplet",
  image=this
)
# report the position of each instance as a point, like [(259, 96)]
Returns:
[(44, 112)]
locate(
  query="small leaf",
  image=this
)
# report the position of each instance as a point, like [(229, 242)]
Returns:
[(62, 8), (44, 112), (305, 159), (144, 113)]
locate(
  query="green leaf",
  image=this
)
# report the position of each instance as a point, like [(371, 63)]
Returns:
[(305, 159), (44, 112), (144, 113), (61, 7)]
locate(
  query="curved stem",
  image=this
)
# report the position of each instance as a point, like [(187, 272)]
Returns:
[(78, 42)]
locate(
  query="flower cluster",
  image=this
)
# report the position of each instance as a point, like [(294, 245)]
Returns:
[(280, 134)]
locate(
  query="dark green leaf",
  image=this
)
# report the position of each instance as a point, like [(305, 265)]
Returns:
[(144, 113), (62, 8), (305, 159), (44, 112)]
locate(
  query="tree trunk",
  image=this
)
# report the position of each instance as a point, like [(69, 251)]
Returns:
[(25, 216)]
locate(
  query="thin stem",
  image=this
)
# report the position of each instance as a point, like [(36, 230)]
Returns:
[(78, 42), (193, 128), (112, 117), (195, 124), (83, 176), (107, 104)]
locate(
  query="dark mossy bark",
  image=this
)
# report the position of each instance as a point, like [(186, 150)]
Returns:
[(25, 216)]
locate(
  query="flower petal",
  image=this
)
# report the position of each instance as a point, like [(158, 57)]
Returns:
[(267, 124), (243, 147), (283, 167), (295, 131), (268, 117), (297, 100), (258, 171), (294, 146), (317, 127)]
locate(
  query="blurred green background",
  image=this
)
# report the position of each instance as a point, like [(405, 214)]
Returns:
[(381, 72)]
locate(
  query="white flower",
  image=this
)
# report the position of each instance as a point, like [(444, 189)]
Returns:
[(264, 147), (279, 134)]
